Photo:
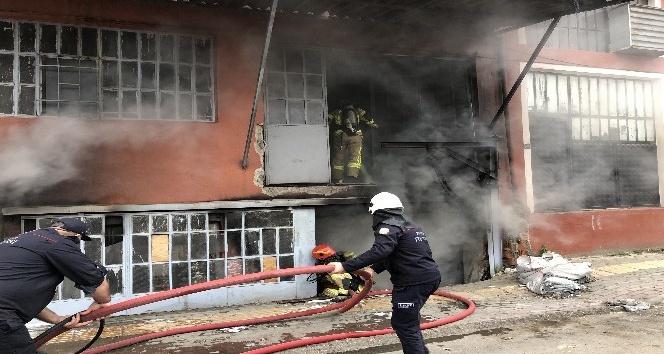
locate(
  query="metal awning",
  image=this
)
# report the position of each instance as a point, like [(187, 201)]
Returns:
[(427, 14)]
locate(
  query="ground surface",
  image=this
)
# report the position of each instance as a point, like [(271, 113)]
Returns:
[(509, 319), (609, 330)]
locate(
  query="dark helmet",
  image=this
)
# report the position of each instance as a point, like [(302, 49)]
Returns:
[(322, 252)]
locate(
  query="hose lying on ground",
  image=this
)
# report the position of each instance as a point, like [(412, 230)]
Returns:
[(361, 334), (344, 306)]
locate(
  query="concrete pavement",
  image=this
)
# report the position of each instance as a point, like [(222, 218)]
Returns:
[(635, 276)]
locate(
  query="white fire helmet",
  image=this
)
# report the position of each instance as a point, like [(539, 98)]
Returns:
[(384, 200)]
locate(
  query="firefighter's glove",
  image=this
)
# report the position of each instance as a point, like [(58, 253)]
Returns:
[(337, 268), (370, 271)]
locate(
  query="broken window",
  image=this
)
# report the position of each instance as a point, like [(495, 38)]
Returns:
[(174, 250), (104, 73), (255, 241), (593, 141)]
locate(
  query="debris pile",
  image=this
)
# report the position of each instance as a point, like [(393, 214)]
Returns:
[(552, 275), (629, 305)]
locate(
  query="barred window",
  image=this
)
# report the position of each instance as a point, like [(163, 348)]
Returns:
[(593, 141), (61, 70)]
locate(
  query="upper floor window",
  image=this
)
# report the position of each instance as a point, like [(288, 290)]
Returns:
[(295, 86), (593, 141), (583, 31), (72, 71)]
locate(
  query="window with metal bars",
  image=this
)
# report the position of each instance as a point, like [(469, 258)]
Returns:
[(593, 141), (61, 70)]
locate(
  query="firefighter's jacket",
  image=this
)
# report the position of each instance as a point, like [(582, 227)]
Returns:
[(399, 247), (337, 125), (334, 285)]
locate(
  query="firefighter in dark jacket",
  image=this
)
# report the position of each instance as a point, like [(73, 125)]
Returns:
[(32, 265), (346, 126), (335, 286), (402, 249)]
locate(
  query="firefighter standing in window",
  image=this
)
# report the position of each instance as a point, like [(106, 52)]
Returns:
[(335, 286), (402, 249), (346, 126)]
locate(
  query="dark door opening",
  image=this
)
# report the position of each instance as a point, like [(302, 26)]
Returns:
[(421, 99)]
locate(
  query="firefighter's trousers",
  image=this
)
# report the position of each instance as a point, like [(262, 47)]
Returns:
[(406, 304), (346, 147)]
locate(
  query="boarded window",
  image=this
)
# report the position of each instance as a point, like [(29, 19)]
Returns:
[(175, 250)]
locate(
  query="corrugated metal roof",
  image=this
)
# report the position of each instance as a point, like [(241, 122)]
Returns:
[(420, 13)]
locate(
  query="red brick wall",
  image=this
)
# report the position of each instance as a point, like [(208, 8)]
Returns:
[(150, 162)]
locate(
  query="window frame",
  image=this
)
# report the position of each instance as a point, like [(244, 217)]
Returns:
[(575, 142), (194, 67)]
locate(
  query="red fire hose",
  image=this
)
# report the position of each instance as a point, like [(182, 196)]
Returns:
[(344, 306), (185, 290), (360, 334)]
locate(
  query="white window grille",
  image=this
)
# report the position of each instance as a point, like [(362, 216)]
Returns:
[(593, 141), (62, 70), (179, 249)]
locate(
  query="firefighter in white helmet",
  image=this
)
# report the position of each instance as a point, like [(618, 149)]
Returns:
[(403, 250)]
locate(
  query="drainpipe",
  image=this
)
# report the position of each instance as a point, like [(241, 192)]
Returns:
[(252, 121), (525, 71)]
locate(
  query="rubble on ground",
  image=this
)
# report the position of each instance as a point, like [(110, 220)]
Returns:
[(629, 305)]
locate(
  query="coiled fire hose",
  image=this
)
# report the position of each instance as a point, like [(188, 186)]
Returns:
[(247, 278)]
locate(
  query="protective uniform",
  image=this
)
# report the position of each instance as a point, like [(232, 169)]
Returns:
[(402, 249), (346, 129), (335, 285), (32, 265)]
